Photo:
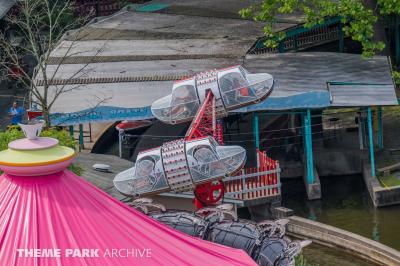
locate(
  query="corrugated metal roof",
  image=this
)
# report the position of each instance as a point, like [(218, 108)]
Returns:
[(76, 98), (219, 8), (5, 6), (300, 82), (362, 94), (297, 73), (139, 68), (69, 52), (138, 25)]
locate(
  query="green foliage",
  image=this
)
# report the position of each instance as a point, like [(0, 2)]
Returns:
[(358, 20), (389, 6), (9, 135), (396, 77), (300, 260), (14, 132), (62, 135), (76, 169), (389, 180)]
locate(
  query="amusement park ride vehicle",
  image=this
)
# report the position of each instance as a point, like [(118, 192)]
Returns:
[(199, 161)]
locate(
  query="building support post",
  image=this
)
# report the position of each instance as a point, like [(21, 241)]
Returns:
[(71, 131), (311, 179), (380, 128), (256, 132), (80, 137), (341, 38), (371, 142), (361, 130), (309, 151), (397, 40)]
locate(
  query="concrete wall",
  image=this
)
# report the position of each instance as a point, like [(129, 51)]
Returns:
[(328, 163), (380, 196), (334, 237), (331, 163)]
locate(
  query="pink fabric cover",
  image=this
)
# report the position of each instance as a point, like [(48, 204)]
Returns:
[(63, 211), (33, 144)]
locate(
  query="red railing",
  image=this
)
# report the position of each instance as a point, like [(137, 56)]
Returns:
[(255, 182)]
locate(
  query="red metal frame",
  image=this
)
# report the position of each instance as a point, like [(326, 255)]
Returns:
[(202, 124), (206, 124)]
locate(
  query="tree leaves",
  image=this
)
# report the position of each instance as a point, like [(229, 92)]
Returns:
[(358, 19)]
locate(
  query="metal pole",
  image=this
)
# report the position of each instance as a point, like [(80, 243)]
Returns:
[(80, 137), (256, 130), (309, 151), (380, 128), (90, 132), (303, 122), (120, 137), (214, 118), (364, 128), (371, 142), (361, 131)]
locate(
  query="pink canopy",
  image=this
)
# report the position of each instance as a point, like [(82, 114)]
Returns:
[(60, 219)]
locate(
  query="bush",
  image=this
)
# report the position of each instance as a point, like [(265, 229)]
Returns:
[(62, 135), (14, 132), (396, 77)]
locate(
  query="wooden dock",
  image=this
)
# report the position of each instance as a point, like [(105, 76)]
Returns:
[(103, 180)]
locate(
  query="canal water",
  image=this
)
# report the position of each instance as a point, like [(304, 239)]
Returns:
[(345, 204), (316, 255)]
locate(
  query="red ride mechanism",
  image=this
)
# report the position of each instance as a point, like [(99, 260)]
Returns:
[(204, 124)]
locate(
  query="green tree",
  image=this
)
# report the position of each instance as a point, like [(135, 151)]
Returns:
[(357, 18)]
